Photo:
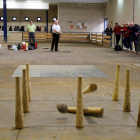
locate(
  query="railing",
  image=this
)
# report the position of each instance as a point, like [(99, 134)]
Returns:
[(94, 37), (65, 37), (101, 38)]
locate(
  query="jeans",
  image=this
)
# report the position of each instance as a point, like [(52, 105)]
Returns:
[(31, 36), (127, 42)]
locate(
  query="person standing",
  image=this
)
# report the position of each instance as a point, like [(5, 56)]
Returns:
[(31, 29), (126, 35), (117, 31), (133, 32), (108, 30), (56, 30)]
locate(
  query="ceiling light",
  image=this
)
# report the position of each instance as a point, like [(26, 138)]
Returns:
[(34, 1)]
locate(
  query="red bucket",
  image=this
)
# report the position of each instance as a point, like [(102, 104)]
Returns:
[(23, 47)]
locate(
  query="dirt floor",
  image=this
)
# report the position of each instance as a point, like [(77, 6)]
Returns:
[(44, 122)]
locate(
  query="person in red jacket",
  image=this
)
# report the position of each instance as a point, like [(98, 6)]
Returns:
[(126, 34), (117, 31)]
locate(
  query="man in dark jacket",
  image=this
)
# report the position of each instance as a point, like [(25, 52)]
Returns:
[(117, 31), (108, 30), (133, 32)]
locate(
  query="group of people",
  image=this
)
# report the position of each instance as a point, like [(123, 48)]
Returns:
[(129, 31), (56, 34)]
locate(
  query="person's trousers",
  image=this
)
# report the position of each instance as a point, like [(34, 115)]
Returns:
[(31, 36), (55, 41), (117, 39), (127, 42), (134, 39)]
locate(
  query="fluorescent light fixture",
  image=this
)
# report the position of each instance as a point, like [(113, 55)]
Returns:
[(14, 18), (38, 18), (34, 1), (26, 18), (1, 18)]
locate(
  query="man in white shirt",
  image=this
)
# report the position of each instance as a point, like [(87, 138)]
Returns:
[(56, 32)]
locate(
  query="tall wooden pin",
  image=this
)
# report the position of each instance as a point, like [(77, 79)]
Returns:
[(126, 107), (28, 80), (19, 118), (25, 95), (116, 86), (79, 110)]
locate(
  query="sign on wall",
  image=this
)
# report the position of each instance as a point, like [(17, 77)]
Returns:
[(71, 26), (1, 32), (81, 25)]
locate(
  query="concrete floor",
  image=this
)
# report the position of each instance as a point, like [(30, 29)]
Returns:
[(44, 122)]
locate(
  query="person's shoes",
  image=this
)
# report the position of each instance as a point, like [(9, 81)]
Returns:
[(57, 51)]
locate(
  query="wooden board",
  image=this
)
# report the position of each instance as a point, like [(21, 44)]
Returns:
[(40, 37), (99, 39), (73, 34), (93, 34), (25, 33), (107, 41), (40, 33), (109, 37), (93, 38), (49, 34), (81, 38), (99, 35), (100, 42)]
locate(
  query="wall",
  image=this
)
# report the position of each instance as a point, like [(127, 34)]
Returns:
[(137, 12), (92, 14), (119, 11), (32, 14)]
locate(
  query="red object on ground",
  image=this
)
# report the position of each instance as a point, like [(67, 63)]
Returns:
[(35, 45), (23, 47)]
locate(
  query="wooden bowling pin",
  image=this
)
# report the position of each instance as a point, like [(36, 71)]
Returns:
[(28, 80), (79, 111), (116, 86), (25, 98), (19, 118), (126, 107), (90, 88)]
